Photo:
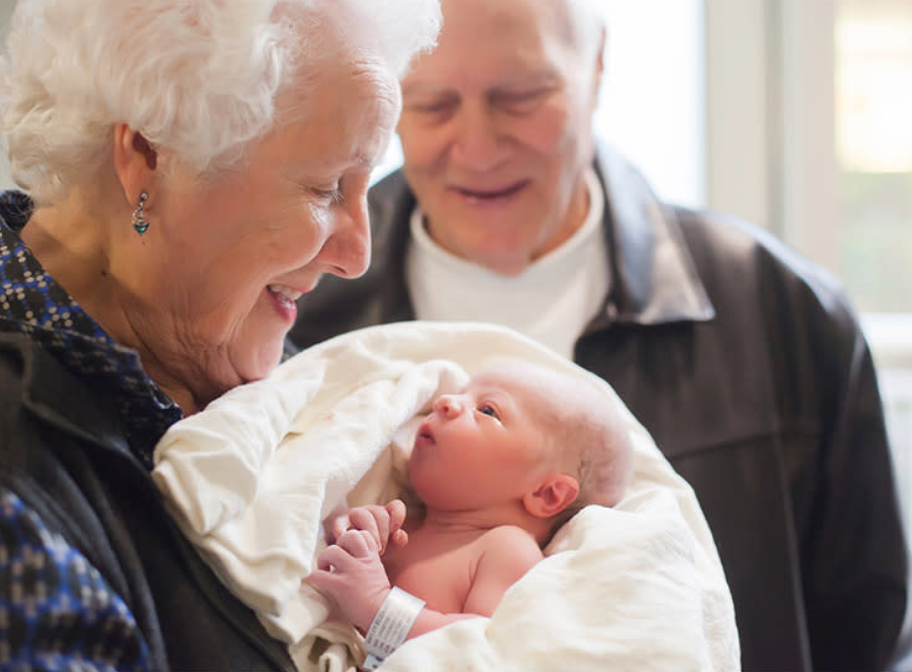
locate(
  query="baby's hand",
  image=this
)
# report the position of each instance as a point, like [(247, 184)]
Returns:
[(383, 523), (350, 571)]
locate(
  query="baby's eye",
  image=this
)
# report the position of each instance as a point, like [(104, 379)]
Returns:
[(487, 409)]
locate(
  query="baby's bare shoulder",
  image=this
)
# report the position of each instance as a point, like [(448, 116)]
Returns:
[(518, 540)]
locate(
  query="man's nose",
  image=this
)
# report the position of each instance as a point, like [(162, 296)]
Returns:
[(478, 144)]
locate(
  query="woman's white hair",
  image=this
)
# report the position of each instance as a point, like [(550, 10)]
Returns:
[(198, 78)]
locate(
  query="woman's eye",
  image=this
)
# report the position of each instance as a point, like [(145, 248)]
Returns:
[(333, 195)]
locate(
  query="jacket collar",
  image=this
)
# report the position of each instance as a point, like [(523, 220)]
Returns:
[(57, 397), (655, 280), (36, 305)]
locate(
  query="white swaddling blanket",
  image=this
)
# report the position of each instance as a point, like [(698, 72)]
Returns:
[(251, 478)]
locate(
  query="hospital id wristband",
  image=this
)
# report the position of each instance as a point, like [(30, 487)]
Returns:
[(390, 626)]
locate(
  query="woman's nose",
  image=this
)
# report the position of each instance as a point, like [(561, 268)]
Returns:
[(347, 251), (448, 406)]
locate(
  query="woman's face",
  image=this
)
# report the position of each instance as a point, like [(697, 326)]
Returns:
[(217, 274)]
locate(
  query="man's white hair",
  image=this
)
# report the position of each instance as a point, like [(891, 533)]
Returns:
[(198, 78), (587, 25)]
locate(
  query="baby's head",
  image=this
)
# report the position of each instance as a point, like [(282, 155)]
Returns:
[(598, 450), (521, 432), (584, 436)]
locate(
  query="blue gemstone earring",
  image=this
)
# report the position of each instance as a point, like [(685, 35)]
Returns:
[(140, 223)]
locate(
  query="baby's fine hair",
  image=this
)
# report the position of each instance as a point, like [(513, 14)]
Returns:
[(586, 431), (596, 443)]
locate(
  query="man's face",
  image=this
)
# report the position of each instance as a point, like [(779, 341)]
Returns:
[(496, 131)]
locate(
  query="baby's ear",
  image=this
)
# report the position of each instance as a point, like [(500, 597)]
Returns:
[(552, 495)]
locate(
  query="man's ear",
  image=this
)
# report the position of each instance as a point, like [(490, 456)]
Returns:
[(552, 495), (599, 73), (135, 162)]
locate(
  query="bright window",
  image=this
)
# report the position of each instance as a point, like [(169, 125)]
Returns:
[(809, 129), (873, 129)]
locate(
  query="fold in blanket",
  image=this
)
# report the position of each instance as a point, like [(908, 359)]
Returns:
[(251, 479)]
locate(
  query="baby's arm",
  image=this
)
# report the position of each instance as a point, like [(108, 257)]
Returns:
[(352, 573), (507, 554)]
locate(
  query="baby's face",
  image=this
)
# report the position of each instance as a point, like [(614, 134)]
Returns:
[(484, 445)]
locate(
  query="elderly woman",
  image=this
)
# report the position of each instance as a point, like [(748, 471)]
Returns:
[(189, 169)]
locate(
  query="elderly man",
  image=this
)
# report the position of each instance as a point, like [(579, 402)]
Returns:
[(744, 361)]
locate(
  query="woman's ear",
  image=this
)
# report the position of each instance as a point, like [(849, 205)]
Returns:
[(135, 162), (552, 495)]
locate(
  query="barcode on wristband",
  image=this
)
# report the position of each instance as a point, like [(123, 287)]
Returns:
[(391, 625)]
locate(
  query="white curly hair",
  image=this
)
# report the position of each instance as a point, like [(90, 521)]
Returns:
[(198, 78)]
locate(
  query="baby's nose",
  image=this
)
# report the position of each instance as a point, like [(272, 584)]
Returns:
[(448, 406)]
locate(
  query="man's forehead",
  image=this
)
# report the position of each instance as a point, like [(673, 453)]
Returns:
[(544, 17)]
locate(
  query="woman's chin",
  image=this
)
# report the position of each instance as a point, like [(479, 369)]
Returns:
[(260, 362)]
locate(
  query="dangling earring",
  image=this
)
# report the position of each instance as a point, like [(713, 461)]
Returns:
[(140, 223)]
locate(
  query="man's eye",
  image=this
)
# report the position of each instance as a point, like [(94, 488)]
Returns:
[(520, 102), (436, 110), (431, 108)]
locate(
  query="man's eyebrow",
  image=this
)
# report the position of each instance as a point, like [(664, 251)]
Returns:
[(423, 87), (535, 77)]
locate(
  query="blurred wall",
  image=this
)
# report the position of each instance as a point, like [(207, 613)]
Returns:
[(6, 10)]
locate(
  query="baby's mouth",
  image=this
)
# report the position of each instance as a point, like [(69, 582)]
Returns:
[(424, 432)]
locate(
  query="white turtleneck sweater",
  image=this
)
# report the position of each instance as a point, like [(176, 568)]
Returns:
[(551, 301)]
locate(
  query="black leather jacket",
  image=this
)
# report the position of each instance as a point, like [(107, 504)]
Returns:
[(746, 364), (64, 455)]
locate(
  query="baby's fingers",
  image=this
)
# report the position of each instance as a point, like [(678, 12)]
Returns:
[(326, 581), (333, 558), (358, 543), (336, 527), (371, 519), (397, 512)]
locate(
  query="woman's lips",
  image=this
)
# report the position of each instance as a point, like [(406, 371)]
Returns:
[(283, 299)]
